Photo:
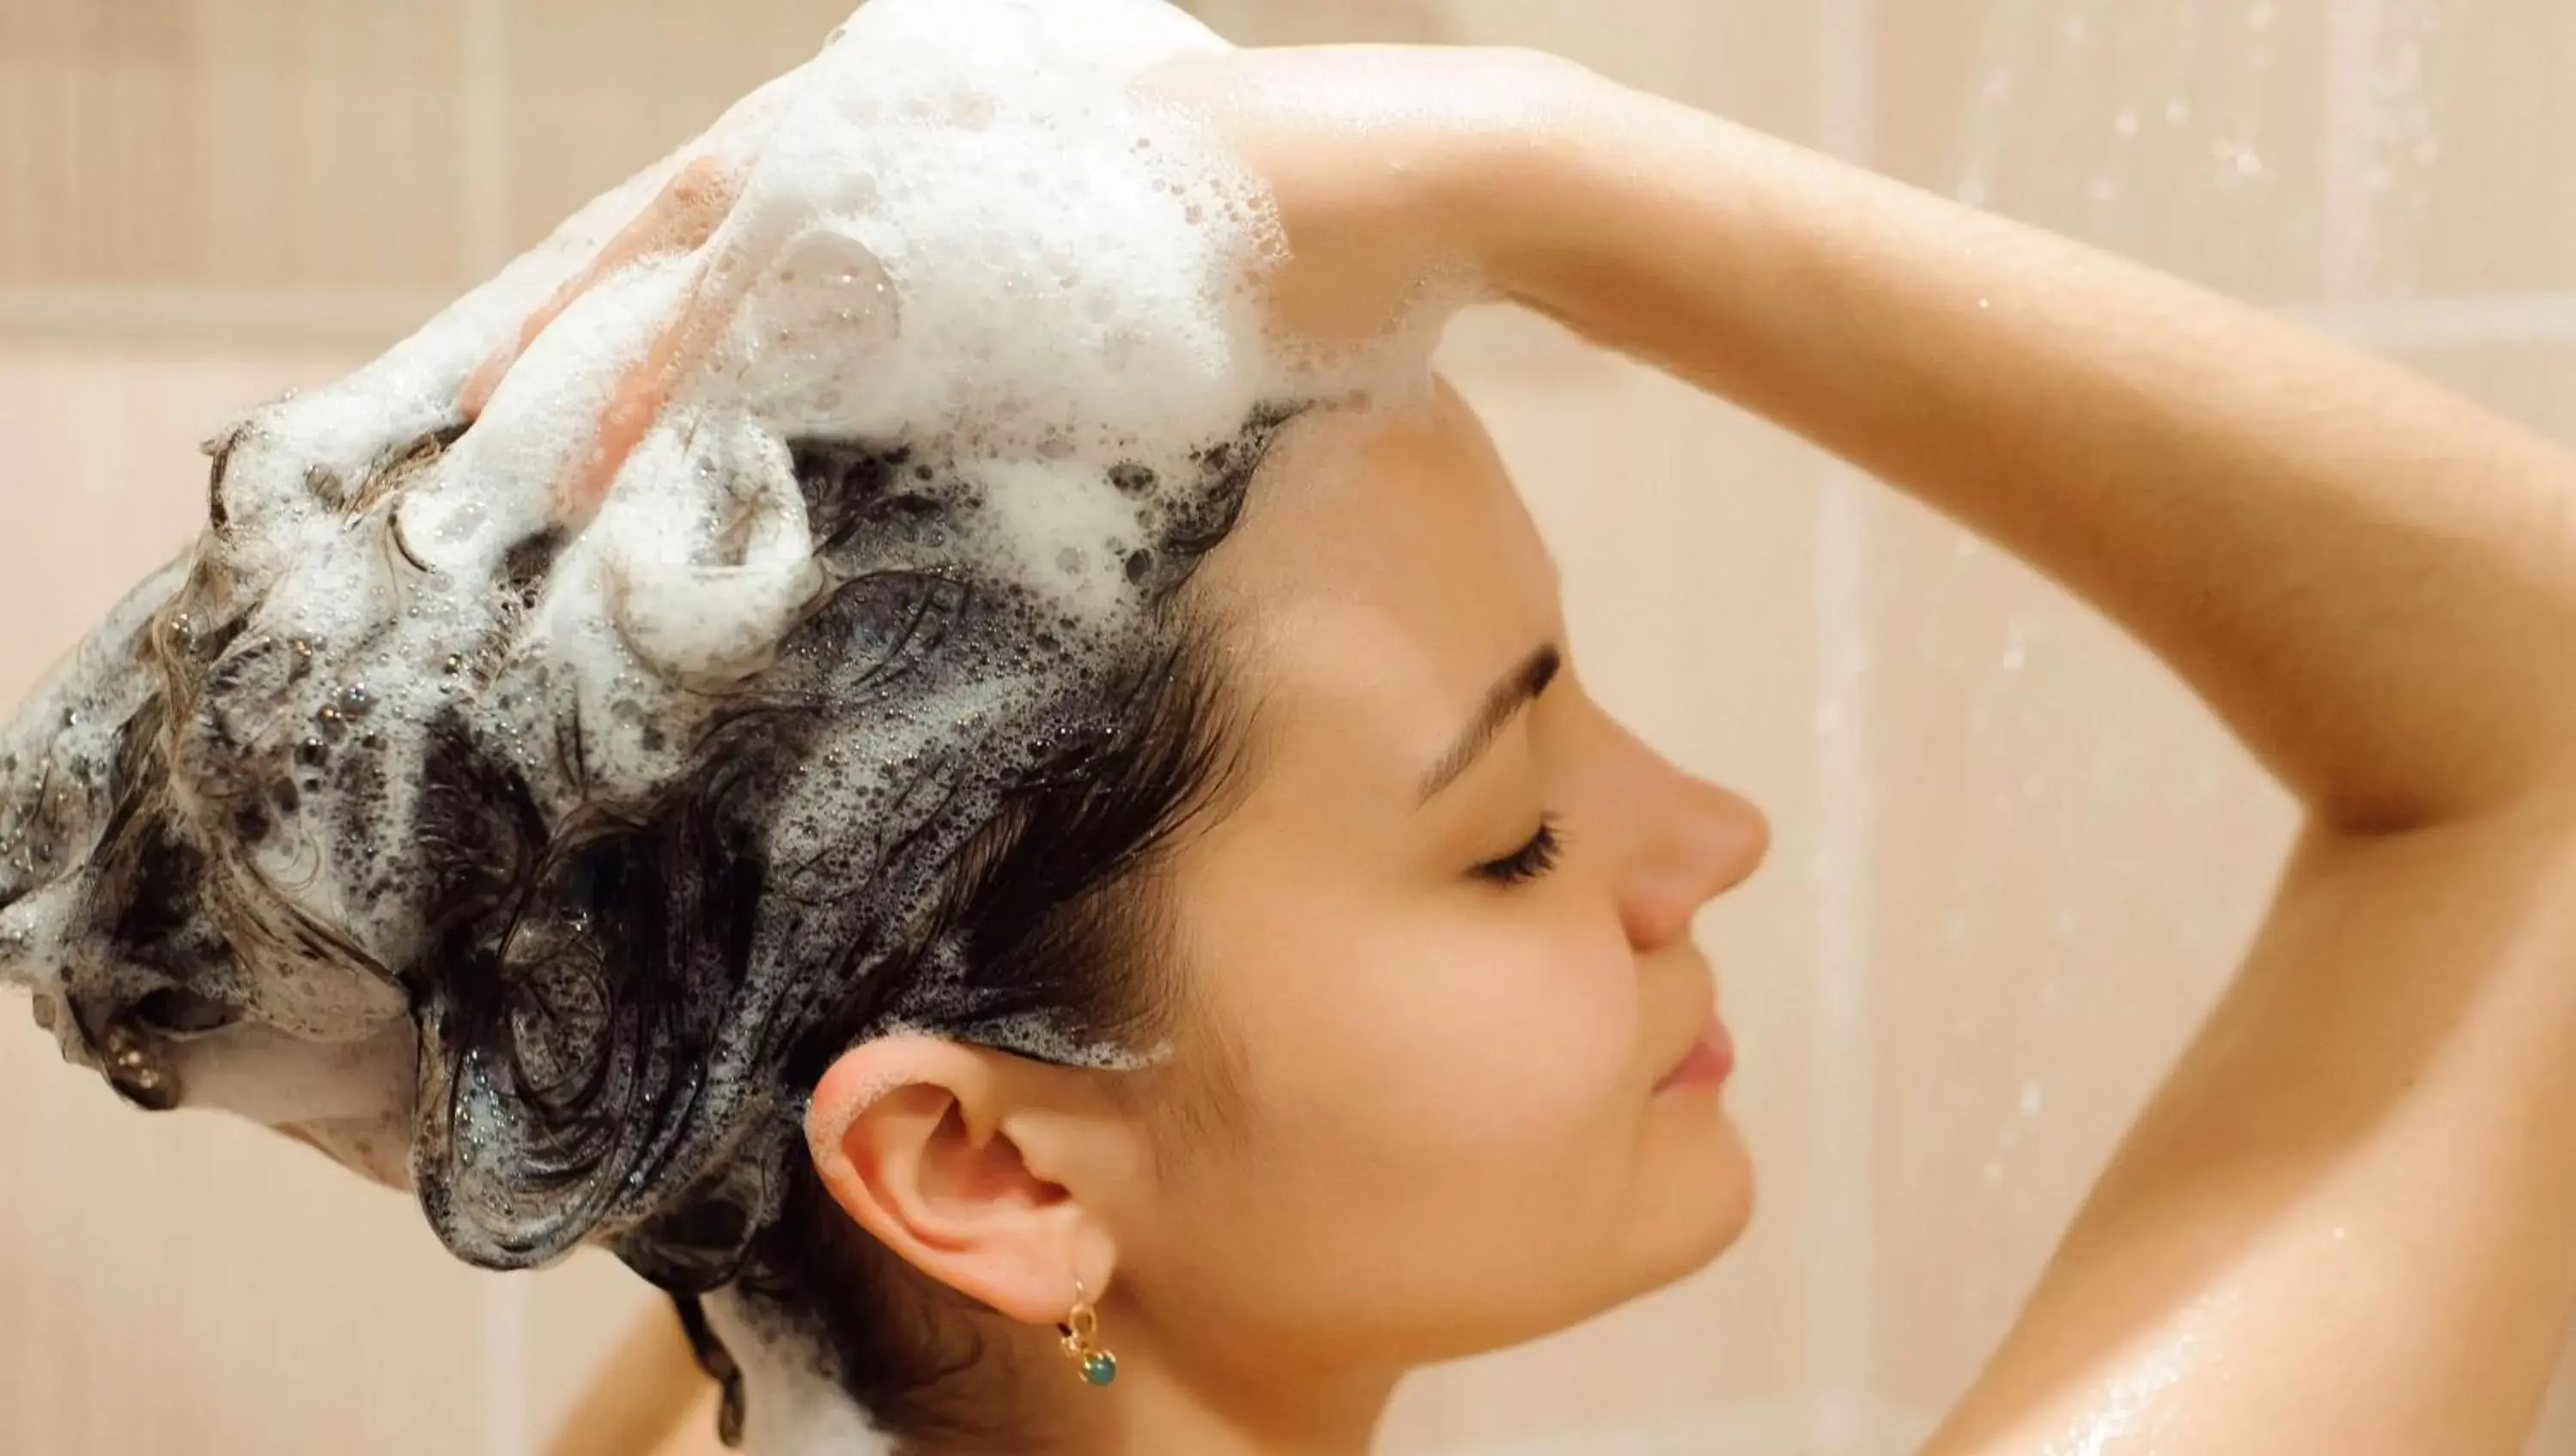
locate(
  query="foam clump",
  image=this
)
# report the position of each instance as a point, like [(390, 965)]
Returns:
[(555, 784)]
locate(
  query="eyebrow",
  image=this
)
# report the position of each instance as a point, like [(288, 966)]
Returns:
[(1507, 697)]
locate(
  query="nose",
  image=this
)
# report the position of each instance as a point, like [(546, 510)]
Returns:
[(1703, 841)]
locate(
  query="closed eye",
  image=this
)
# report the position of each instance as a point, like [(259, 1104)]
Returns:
[(1526, 863)]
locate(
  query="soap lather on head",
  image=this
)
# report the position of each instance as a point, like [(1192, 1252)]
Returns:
[(575, 725)]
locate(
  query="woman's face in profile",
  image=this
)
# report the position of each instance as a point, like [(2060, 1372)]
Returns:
[(1440, 939)]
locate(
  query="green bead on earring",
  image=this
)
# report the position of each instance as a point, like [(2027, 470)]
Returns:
[(1081, 1330)]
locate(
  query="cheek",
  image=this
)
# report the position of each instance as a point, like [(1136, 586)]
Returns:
[(1516, 1032), (1432, 1110), (1480, 1039)]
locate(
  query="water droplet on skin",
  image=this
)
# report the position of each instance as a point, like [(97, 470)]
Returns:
[(2177, 111), (2126, 123)]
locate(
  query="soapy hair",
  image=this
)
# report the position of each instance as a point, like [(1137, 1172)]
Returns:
[(621, 1009), (543, 843), (1061, 903)]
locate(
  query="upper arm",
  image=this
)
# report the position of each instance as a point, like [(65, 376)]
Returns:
[(2347, 1220)]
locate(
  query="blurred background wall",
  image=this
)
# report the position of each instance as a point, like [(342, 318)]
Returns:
[(2014, 858)]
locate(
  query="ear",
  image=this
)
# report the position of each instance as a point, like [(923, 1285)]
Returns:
[(974, 1165)]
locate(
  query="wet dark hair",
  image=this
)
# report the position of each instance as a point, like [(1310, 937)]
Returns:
[(1018, 895), (1041, 906), (937, 807), (1059, 899)]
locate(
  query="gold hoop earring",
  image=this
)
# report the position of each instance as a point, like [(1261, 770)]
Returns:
[(1081, 1331)]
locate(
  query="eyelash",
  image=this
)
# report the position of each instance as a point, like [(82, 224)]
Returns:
[(1526, 863)]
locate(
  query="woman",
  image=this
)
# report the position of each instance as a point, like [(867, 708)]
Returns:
[(1412, 915), (2342, 1222)]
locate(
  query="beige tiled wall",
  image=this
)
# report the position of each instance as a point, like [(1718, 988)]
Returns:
[(279, 144), (2014, 858)]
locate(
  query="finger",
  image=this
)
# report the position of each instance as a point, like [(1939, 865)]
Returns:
[(680, 218), (637, 400)]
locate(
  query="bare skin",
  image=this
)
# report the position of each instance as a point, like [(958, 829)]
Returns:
[(2351, 1197), (2343, 1221)]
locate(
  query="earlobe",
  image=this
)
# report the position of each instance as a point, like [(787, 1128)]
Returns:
[(914, 1138)]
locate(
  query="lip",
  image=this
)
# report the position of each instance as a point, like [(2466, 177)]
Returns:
[(1708, 1062)]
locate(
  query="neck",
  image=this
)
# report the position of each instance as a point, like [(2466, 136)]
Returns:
[(793, 1406)]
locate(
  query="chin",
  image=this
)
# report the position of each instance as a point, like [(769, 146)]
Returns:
[(1699, 1208), (1692, 1201)]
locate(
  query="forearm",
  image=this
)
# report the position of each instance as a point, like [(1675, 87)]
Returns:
[(2373, 583)]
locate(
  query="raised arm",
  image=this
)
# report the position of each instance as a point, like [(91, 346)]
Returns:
[(2373, 582), (2348, 1221)]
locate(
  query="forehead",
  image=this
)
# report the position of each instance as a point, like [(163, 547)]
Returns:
[(1402, 513), (1384, 576)]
